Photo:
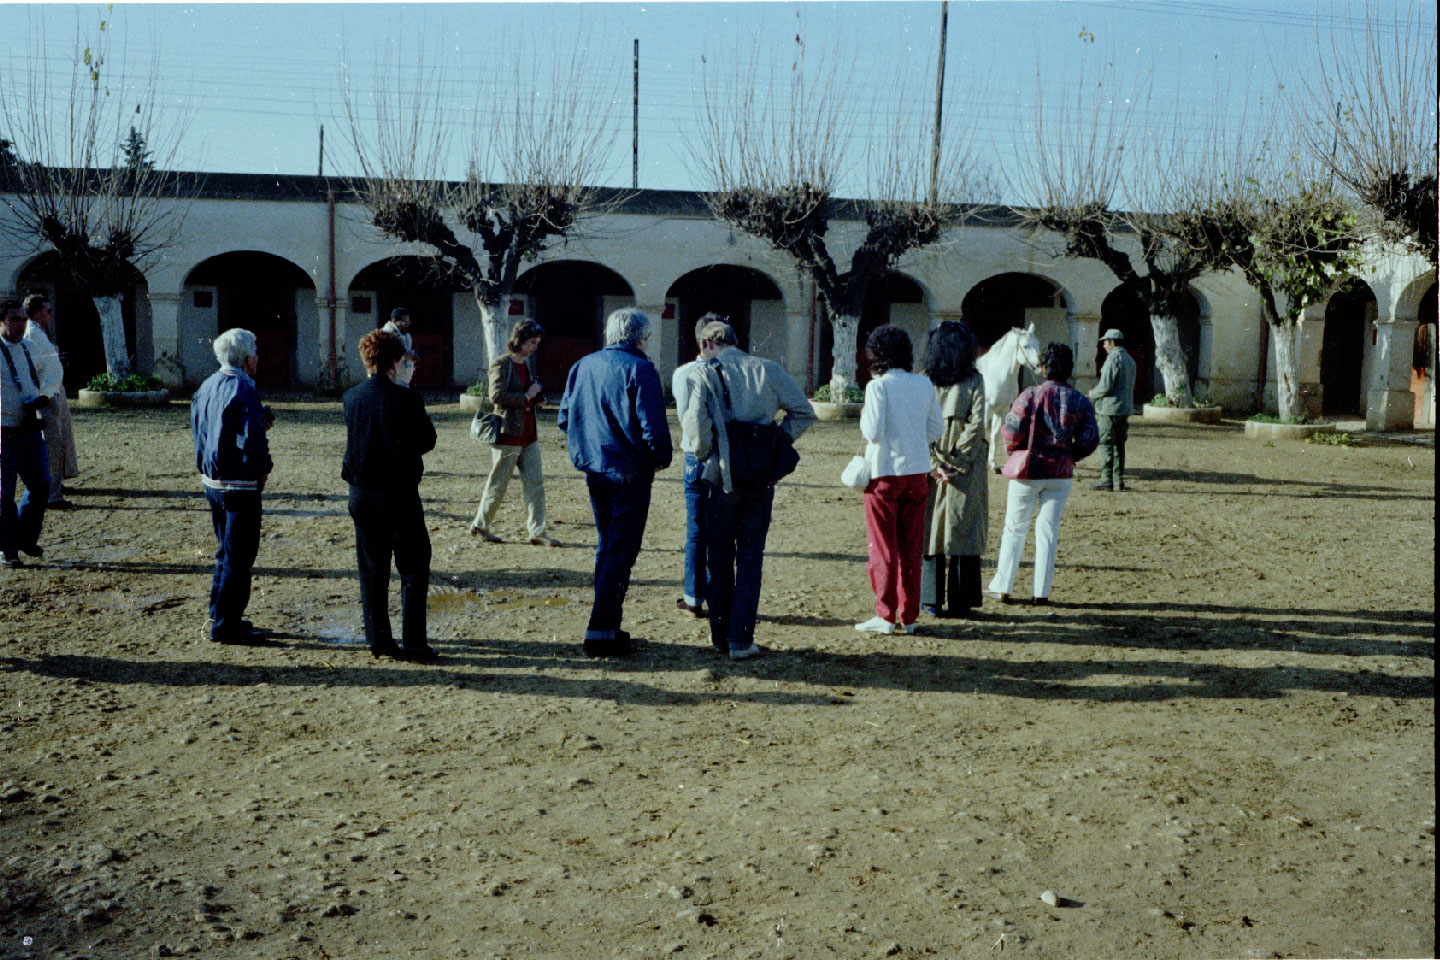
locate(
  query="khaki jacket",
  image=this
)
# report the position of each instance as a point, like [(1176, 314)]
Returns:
[(1114, 395), (508, 397)]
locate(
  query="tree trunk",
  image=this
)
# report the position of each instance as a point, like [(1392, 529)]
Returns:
[(1170, 358), (112, 331), (1287, 369), (845, 327), (495, 330)]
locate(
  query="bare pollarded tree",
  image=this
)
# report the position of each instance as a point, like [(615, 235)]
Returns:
[(1293, 236), (532, 161), (71, 189), (1073, 171), (772, 154), (1370, 119)]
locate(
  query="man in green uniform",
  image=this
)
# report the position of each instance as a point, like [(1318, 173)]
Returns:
[(1114, 403)]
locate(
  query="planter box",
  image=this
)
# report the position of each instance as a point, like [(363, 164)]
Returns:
[(135, 398), (1285, 431), (470, 403), (837, 411), (1181, 414)]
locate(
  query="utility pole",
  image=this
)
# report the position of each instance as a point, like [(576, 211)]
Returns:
[(635, 125), (320, 171), (939, 99)]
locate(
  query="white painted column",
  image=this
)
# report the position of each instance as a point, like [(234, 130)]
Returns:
[(165, 338), (797, 337), (1309, 341), (664, 340), (1205, 348), (1084, 330), (1390, 405)]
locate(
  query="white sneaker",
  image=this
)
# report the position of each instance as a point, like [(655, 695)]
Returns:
[(909, 627), (745, 653), (877, 625)]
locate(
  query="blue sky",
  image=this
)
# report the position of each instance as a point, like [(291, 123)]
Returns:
[(259, 80)]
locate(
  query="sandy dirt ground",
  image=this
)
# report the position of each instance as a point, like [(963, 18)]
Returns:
[(1218, 743)]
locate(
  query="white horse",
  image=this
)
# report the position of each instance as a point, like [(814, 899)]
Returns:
[(999, 366)]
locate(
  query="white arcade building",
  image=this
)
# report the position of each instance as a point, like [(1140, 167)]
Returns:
[(260, 252)]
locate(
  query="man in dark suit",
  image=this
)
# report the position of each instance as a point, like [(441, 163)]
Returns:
[(387, 434)]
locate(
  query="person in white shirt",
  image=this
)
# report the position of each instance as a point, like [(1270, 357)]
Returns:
[(683, 388), (22, 444), (899, 421), (59, 431)]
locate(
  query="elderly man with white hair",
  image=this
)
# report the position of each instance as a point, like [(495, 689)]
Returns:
[(233, 457), (613, 417)]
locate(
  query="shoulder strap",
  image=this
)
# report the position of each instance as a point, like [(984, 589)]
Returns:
[(15, 374)]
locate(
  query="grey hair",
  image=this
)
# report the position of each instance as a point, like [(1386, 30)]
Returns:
[(720, 332), (627, 325), (235, 346)]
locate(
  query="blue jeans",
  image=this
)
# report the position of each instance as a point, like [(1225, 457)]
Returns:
[(695, 573), (235, 515), (737, 524), (22, 454), (621, 506)]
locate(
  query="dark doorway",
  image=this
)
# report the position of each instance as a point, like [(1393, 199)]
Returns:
[(257, 291), (1125, 309), (724, 289), (77, 324), (1342, 351), (567, 298), (1422, 364), (997, 303), (425, 286)]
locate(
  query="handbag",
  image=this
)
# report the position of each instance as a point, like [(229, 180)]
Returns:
[(485, 427), (856, 474), (761, 454)]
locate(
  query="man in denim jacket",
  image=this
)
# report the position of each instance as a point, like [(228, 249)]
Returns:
[(233, 457), (613, 417)]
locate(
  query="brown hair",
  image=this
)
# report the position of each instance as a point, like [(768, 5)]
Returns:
[(380, 351), (526, 329)]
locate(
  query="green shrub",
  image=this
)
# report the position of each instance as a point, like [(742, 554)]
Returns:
[(475, 390), (852, 395), (1336, 439), (1271, 418), (134, 383), (1163, 401)]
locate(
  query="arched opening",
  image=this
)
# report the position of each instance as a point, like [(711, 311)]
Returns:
[(1006, 300), (426, 287), (1349, 315), (725, 289), (1422, 365), (257, 291), (77, 324), (570, 299), (1124, 308)]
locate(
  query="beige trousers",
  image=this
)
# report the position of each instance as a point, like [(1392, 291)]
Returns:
[(503, 461), (60, 445)]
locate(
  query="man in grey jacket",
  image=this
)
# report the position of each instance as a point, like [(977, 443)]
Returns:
[(737, 519), (1114, 403)]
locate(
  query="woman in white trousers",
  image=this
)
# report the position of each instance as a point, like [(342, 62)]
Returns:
[(1048, 428)]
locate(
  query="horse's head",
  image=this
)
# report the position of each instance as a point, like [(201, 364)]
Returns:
[(1028, 346)]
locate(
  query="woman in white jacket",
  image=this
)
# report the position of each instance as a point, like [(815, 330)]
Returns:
[(900, 419)]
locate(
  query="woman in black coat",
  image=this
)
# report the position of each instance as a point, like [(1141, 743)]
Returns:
[(387, 433)]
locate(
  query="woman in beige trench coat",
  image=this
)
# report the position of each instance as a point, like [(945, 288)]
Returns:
[(958, 508)]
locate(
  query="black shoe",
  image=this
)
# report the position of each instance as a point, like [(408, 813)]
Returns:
[(33, 550), (696, 612), (11, 560), (245, 638), (386, 650), (1040, 601), (421, 654), (620, 646), (1100, 485), (60, 505)]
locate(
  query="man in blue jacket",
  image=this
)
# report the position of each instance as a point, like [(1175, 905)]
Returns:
[(613, 417), (233, 457)]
